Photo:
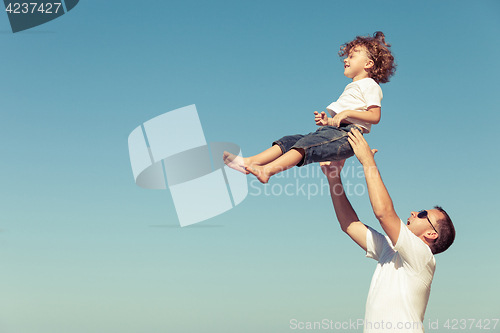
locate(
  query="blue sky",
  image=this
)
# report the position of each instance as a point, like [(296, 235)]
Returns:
[(83, 249)]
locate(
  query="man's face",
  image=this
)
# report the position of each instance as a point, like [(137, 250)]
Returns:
[(421, 226)]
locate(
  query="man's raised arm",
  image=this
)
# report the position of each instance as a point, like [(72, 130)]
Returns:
[(346, 215), (379, 197)]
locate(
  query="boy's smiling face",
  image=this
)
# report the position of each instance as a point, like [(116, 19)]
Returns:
[(357, 64)]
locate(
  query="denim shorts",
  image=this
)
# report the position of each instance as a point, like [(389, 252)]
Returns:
[(328, 143)]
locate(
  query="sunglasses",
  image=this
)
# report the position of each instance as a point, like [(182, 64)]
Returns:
[(422, 214)]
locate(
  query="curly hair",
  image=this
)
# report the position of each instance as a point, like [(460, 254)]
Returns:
[(378, 51)]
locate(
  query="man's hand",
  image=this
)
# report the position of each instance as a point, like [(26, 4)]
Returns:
[(332, 169), (321, 119), (361, 148)]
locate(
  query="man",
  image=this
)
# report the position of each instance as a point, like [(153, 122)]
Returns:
[(400, 286)]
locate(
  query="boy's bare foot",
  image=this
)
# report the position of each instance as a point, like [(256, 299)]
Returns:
[(235, 162), (259, 172)]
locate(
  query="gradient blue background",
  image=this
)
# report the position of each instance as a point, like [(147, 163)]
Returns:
[(83, 249)]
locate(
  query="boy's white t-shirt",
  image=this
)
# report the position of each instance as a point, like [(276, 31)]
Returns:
[(358, 96), (401, 284)]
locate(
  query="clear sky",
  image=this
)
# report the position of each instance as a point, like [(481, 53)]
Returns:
[(83, 249)]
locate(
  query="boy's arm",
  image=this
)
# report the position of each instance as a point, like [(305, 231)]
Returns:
[(371, 115), (346, 215), (379, 197)]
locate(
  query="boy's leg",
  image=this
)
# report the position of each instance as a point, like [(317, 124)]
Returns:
[(238, 163), (326, 144), (290, 159), (266, 156), (279, 147)]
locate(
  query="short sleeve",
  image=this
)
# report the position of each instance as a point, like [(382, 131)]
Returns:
[(372, 94), (414, 252), (375, 243)]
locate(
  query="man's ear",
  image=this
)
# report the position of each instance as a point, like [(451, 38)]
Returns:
[(431, 235)]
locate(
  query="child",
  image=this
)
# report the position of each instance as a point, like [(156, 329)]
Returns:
[(368, 62)]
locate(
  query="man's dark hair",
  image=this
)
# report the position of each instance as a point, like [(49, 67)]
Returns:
[(446, 232)]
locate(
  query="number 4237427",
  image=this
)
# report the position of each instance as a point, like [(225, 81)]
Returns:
[(455, 324), (33, 7)]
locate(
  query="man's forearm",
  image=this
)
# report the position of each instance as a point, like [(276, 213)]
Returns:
[(381, 202), (379, 196), (343, 209), (346, 215)]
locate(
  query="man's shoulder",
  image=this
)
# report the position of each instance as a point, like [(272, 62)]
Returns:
[(408, 238), (413, 250), (377, 244)]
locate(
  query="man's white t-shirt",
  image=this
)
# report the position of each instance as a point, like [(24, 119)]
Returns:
[(358, 96), (401, 284)]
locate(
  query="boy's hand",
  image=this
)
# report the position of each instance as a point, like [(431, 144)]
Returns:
[(332, 169), (321, 119), (338, 118), (360, 147)]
